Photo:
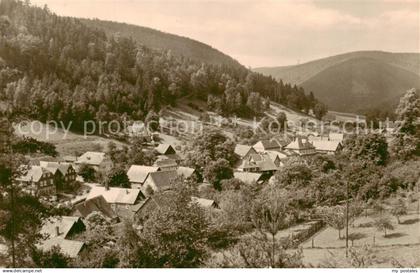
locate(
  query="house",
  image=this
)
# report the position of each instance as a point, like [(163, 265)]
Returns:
[(121, 200), (137, 174), (242, 151), (327, 146), (277, 157), (64, 173), (205, 203), (165, 149), (97, 160), (301, 146), (143, 210), (266, 145), (159, 181), (283, 141), (166, 164), (249, 178), (58, 231), (96, 204), (37, 181), (186, 172), (258, 163)]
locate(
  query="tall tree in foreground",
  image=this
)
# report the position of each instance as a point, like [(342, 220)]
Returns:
[(175, 235), (407, 139), (22, 215)]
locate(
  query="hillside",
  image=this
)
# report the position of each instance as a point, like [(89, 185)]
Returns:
[(179, 46), (59, 68), (357, 81)]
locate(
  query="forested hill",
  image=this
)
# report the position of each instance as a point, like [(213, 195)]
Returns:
[(58, 68), (179, 46), (357, 81)]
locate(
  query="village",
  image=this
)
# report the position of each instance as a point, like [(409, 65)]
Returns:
[(185, 135), (53, 181)]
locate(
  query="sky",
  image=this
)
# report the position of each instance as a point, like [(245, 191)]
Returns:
[(267, 32)]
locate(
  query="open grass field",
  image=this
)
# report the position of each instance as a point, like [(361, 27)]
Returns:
[(67, 143), (400, 243)]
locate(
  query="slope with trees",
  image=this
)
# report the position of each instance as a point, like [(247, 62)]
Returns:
[(57, 68)]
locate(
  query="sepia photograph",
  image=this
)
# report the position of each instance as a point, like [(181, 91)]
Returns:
[(210, 135)]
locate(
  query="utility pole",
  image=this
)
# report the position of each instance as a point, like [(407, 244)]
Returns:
[(347, 218)]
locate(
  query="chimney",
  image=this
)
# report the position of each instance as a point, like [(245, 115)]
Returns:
[(107, 185), (57, 231)]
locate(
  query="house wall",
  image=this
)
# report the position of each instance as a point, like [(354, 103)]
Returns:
[(45, 186)]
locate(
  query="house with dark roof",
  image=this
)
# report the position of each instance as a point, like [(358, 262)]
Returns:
[(267, 145), (185, 172), (37, 181), (165, 149), (274, 144), (64, 174), (58, 231), (242, 151), (205, 203), (95, 204), (137, 174), (159, 181), (143, 210)]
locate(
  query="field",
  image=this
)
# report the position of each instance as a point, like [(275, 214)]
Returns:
[(67, 143), (400, 243)]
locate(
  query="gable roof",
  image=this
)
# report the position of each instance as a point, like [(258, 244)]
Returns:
[(152, 203), (274, 154), (242, 150), (64, 224), (115, 195), (54, 166), (164, 148), (138, 173), (325, 145), (300, 144), (68, 247), (186, 172), (163, 179), (282, 141), (91, 158), (205, 203), (262, 161), (34, 173), (98, 204), (165, 162), (248, 177), (266, 144)]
